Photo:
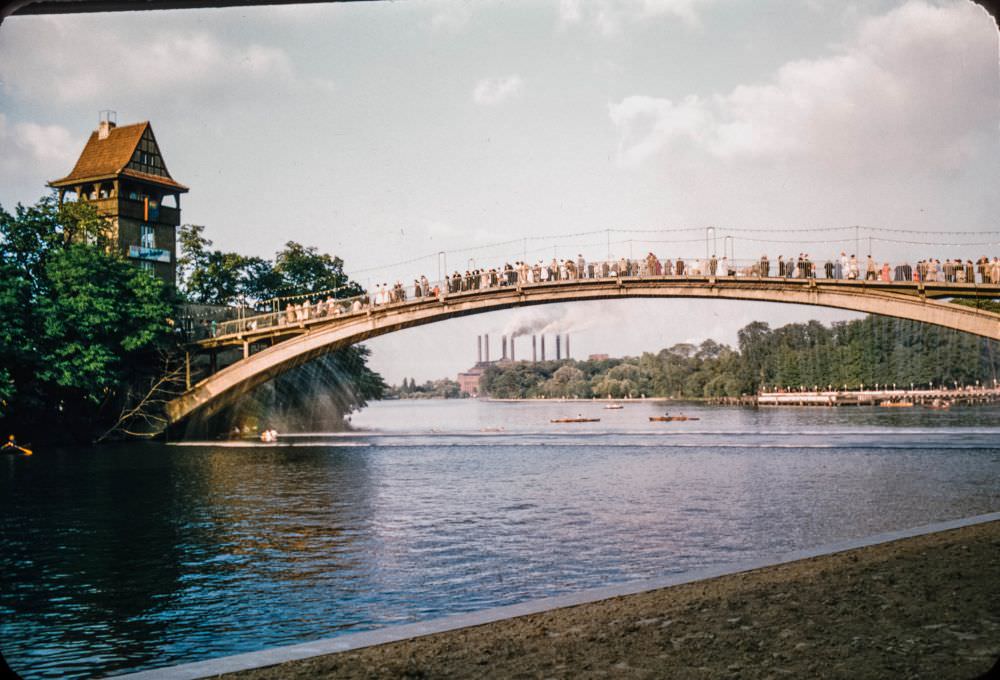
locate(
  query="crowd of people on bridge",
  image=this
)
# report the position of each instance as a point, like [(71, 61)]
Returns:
[(847, 267)]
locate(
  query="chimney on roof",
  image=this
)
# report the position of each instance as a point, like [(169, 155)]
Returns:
[(106, 123)]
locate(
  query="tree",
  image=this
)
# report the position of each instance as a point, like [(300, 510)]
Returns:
[(303, 270), (224, 278), (80, 320), (567, 381), (100, 310)]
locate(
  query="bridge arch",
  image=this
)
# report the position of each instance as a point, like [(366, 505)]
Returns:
[(904, 300)]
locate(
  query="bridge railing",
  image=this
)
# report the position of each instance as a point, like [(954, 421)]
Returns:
[(312, 310)]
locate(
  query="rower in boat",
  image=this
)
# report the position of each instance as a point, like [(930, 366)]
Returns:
[(11, 446), (667, 418), (578, 419)]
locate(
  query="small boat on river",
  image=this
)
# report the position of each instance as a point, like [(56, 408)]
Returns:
[(670, 419), (896, 404), (575, 420), (614, 407), (11, 446)]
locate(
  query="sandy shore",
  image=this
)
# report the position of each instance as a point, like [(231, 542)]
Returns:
[(925, 607)]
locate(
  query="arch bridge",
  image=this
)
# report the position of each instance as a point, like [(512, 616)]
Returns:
[(271, 345)]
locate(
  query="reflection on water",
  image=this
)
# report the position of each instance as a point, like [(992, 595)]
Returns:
[(148, 555)]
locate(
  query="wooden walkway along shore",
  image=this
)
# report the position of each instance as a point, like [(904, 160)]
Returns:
[(940, 398)]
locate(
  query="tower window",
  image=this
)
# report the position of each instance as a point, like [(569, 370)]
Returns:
[(146, 236)]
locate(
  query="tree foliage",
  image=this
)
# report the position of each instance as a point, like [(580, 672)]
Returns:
[(79, 320), (215, 277), (445, 388), (318, 393)]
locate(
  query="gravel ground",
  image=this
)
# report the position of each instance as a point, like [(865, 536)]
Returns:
[(925, 607)]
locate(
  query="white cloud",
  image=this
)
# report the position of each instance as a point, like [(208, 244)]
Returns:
[(609, 17), (917, 86), (47, 150), (492, 91), (648, 124), (173, 64), (450, 15)]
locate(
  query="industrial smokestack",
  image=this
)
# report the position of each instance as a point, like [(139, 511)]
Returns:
[(558, 348), (503, 341), (534, 349), (512, 347), (567, 345), (479, 349), (543, 346), (486, 347)]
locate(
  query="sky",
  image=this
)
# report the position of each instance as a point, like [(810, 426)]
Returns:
[(387, 132)]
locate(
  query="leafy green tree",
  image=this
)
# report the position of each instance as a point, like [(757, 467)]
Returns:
[(80, 320), (215, 277), (567, 381), (100, 310), (304, 270)]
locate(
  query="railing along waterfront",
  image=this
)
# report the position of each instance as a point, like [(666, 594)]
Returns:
[(885, 396), (316, 308)]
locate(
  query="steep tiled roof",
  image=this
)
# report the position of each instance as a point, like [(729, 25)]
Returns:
[(107, 158)]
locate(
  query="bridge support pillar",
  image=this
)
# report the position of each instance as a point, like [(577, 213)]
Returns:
[(187, 370)]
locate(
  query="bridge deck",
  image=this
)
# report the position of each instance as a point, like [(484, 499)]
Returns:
[(296, 343), (274, 328)]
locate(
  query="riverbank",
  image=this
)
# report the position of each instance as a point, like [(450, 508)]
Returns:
[(594, 400), (922, 607)]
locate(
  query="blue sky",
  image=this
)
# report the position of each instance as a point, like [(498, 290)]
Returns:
[(385, 132)]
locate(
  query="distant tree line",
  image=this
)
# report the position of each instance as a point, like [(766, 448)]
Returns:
[(875, 350), (445, 388)]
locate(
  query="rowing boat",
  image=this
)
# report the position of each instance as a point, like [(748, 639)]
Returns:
[(670, 419), (575, 420)]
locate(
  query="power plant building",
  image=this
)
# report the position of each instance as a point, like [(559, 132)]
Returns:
[(469, 381)]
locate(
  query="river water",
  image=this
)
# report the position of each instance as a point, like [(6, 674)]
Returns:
[(132, 557)]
